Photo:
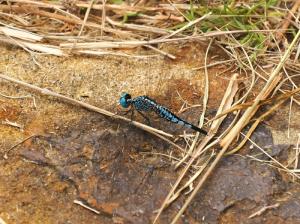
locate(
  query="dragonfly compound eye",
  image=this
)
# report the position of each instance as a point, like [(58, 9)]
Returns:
[(125, 100)]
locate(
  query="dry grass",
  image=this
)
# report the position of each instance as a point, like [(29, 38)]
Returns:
[(260, 38)]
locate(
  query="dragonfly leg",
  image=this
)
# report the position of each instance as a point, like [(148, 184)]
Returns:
[(126, 112), (132, 114), (145, 117)]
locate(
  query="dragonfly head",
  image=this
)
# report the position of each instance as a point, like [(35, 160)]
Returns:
[(125, 100)]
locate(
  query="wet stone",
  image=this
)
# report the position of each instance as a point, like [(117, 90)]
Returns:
[(290, 208), (107, 168), (236, 179)]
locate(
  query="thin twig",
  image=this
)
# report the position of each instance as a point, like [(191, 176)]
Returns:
[(103, 16), (297, 153), (206, 89), (86, 105), (85, 206), (201, 119), (269, 156), (287, 20), (263, 209), (20, 97), (14, 146)]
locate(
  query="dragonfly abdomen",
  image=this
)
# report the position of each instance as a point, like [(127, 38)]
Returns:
[(168, 115)]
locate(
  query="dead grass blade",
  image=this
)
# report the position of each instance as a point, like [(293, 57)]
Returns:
[(279, 165), (138, 27), (21, 34), (226, 103), (46, 49), (201, 120), (259, 120), (191, 23), (234, 132), (263, 209), (268, 88), (191, 179), (287, 20)]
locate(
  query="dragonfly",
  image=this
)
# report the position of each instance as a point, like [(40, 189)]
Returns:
[(146, 104)]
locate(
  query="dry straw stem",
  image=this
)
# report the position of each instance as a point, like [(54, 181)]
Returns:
[(279, 166), (182, 14), (14, 146), (2, 221), (21, 34), (206, 89), (124, 8), (287, 21), (296, 158), (225, 104), (249, 113), (137, 43), (201, 120), (26, 40), (191, 23), (262, 117), (35, 10), (114, 53), (268, 101), (47, 49), (144, 28), (86, 16), (62, 45), (64, 19), (191, 179), (118, 9), (86, 207), (263, 209), (87, 106), (12, 124)]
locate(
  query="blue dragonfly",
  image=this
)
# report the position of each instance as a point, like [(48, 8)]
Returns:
[(146, 104)]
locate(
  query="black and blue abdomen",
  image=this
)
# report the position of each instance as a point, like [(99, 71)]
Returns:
[(144, 103)]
